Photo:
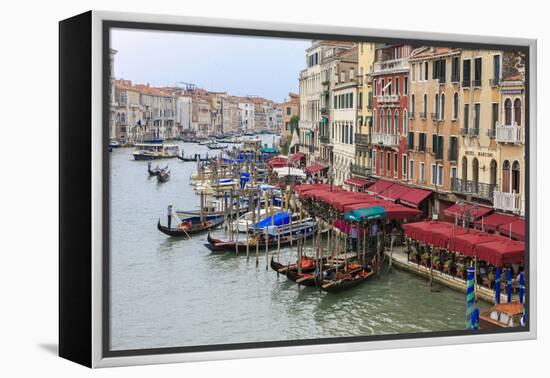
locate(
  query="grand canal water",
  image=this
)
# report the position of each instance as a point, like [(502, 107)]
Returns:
[(169, 292)]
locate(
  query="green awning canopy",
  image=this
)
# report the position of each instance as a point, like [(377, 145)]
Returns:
[(366, 214), (269, 150)]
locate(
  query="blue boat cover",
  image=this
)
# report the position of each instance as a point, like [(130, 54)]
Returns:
[(278, 219)]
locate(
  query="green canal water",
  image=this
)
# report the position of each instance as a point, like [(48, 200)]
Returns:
[(168, 292)]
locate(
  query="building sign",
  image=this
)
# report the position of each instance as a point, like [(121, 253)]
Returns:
[(479, 154)]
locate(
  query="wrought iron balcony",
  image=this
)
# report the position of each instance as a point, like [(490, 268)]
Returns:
[(508, 133), (385, 139), (508, 201), (475, 188), (359, 170), (362, 139)]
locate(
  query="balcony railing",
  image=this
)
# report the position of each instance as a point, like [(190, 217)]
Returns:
[(359, 170), (508, 201), (508, 133), (475, 188), (362, 139), (385, 139), (390, 65), (469, 132)]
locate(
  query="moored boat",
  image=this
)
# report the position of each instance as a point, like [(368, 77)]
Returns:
[(156, 170), (191, 225), (504, 315), (344, 280), (163, 176)]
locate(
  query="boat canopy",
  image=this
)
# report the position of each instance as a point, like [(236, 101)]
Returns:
[(366, 214), (278, 219), (269, 150), (289, 171)]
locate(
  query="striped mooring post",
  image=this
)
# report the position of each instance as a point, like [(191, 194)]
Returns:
[(470, 298), (509, 284), (497, 285)]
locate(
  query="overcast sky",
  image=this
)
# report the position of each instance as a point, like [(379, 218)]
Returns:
[(240, 65)]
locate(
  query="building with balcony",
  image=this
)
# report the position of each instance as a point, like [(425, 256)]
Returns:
[(343, 114), (434, 129), (390, 111), (510, 137), (363, 151), (479, 156)]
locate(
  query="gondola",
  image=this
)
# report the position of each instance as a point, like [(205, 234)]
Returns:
[(345, 280), (156, 172), (217, 245), (216, 146), (194, 226), (194, 158), (163, 176), (305, 278)]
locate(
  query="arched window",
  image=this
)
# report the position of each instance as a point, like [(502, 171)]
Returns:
[(515, 177), (455, 106), (351, 134), (382, 121), (405, 123), (506, 176), (436, 105), (396, 123), (442, 115), (374, 123), (413, 105), (493, 173), (517, 111), (508, 112), (464, 168), (388, 124)]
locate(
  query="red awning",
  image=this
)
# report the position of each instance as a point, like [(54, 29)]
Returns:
[(308, 187), (502, 252), (379, 186), (394, 192), (467, 242), (458, 212), (297, 156), (515, 229), (277, 162), (433, 232), (340, 201), (491, 222), (413, 197), (357, 182), (314, 168)]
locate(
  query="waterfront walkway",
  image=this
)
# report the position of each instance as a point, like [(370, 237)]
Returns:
[(400, 261)]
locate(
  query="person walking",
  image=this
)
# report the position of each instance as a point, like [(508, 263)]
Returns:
[(354, 237), (169, 215)]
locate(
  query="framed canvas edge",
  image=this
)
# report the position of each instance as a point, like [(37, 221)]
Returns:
[(98, 359)]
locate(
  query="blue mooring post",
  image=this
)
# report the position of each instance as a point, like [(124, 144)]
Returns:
[(521, 284), (470, 297), (497, 285), (509, 284)]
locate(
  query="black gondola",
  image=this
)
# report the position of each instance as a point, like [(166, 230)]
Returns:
[(194, 226), (194, 158), (217, 245), (305, 278), (156, 171), (347, 281), (163, 176)]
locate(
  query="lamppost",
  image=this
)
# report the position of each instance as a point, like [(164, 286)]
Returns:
[(331, 177)]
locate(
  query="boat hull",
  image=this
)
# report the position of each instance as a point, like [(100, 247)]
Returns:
[(195, 228)]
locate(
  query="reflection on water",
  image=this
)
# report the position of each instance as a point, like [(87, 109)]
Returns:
[(169, 292)]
